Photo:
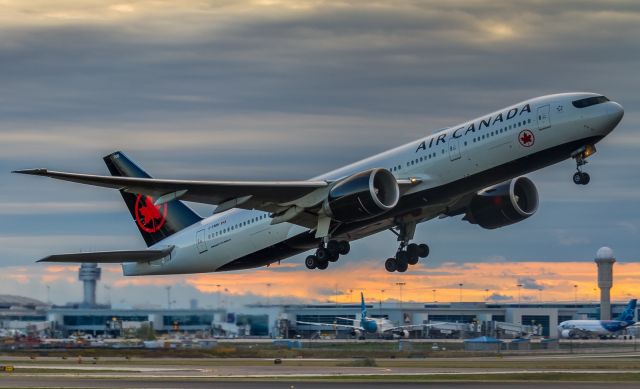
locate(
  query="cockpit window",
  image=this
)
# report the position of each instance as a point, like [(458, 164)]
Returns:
[(589, 101)]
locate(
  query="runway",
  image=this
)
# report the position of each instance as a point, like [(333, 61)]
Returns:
[(32, 382), (473, 372)]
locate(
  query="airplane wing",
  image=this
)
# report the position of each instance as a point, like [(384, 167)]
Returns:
[(207, 192), (414, 326), (291, 201), (348, 319), (331, 325), (111, 256)]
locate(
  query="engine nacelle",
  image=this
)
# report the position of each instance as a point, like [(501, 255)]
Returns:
[(504, 204), (362, 196), (357, 334), (566, 333)]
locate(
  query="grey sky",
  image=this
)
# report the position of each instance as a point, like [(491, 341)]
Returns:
[(242, 90)]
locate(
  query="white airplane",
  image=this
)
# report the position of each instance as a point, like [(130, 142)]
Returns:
[(472, 169), (366, 325), (599, 328)]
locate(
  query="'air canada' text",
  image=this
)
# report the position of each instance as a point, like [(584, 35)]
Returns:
[(473, 127)]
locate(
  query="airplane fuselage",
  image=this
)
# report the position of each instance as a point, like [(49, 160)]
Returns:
[(592, 327), (450, 164)]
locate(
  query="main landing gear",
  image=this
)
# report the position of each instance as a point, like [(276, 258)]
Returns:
[(408, 253), (580, 155), (327, 253)]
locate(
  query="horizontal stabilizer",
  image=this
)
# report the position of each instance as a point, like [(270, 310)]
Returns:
[(120, 256)]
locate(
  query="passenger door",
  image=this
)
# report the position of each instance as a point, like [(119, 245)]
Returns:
[(454, 149), (544, 121), (201, 243)]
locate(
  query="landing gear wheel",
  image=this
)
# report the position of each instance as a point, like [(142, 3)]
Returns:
[(585, 178), (311, 262), (581, 178), (412, 260), (333, 246), (334, 257), (402, 267), (323, 254), (391, 265), (323, 265), (412, 251), (423, 250), (402, 257), (344, 247)]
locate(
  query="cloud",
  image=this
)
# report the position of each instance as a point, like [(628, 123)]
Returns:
[(499, 297), (530, 283), (291, 89)]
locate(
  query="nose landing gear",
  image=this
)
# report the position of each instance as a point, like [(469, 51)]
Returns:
[(581, 155)]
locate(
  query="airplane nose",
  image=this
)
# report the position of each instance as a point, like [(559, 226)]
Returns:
[(615, 114), (618, 112), (609, 117)]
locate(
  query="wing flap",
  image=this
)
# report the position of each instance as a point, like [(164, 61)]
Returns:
[(119, 256)]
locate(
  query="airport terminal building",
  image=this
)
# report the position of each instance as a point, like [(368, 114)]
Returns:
[(481, 316), (466, 319)]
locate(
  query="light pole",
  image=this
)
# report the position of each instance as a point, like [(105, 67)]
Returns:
[(575, 295), (218, 287), (108, 289), (381, 298), (486, 296), (434, 294), (350, 296), (401, 284), (519, 289), (168, 288), (460, 285), (540, 295), (268, 293)]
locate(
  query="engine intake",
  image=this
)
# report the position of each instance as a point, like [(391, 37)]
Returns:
[(504, 204), (362, 196)]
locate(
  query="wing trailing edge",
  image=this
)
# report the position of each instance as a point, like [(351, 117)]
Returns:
[(119, 256)]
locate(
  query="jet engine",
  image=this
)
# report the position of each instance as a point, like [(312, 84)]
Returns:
[(503, 204), (362, 196), (567, 333), (400, 334), (357, 334)]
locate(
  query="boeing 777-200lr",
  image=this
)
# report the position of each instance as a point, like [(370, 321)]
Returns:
[(473, 169)]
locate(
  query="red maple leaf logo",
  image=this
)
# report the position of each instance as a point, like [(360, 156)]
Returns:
[(150, 217), (526, 138)]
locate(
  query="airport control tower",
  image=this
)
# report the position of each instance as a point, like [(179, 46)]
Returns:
[(89, 274), (605, 260)]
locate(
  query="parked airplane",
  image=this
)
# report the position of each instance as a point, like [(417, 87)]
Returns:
[(601, 328), (471, 169), (366, 325)]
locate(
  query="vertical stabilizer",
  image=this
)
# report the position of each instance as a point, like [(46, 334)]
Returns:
[(629, 312), (363, 307), (155, 223)]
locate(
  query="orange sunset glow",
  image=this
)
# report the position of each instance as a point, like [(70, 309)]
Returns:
[(493, 282)]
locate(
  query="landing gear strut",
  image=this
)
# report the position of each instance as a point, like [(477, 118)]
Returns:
[(580, 155), (408, 253), (329, 252)]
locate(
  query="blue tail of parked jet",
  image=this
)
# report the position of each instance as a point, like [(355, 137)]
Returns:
[(363, 307), (629, 312)]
